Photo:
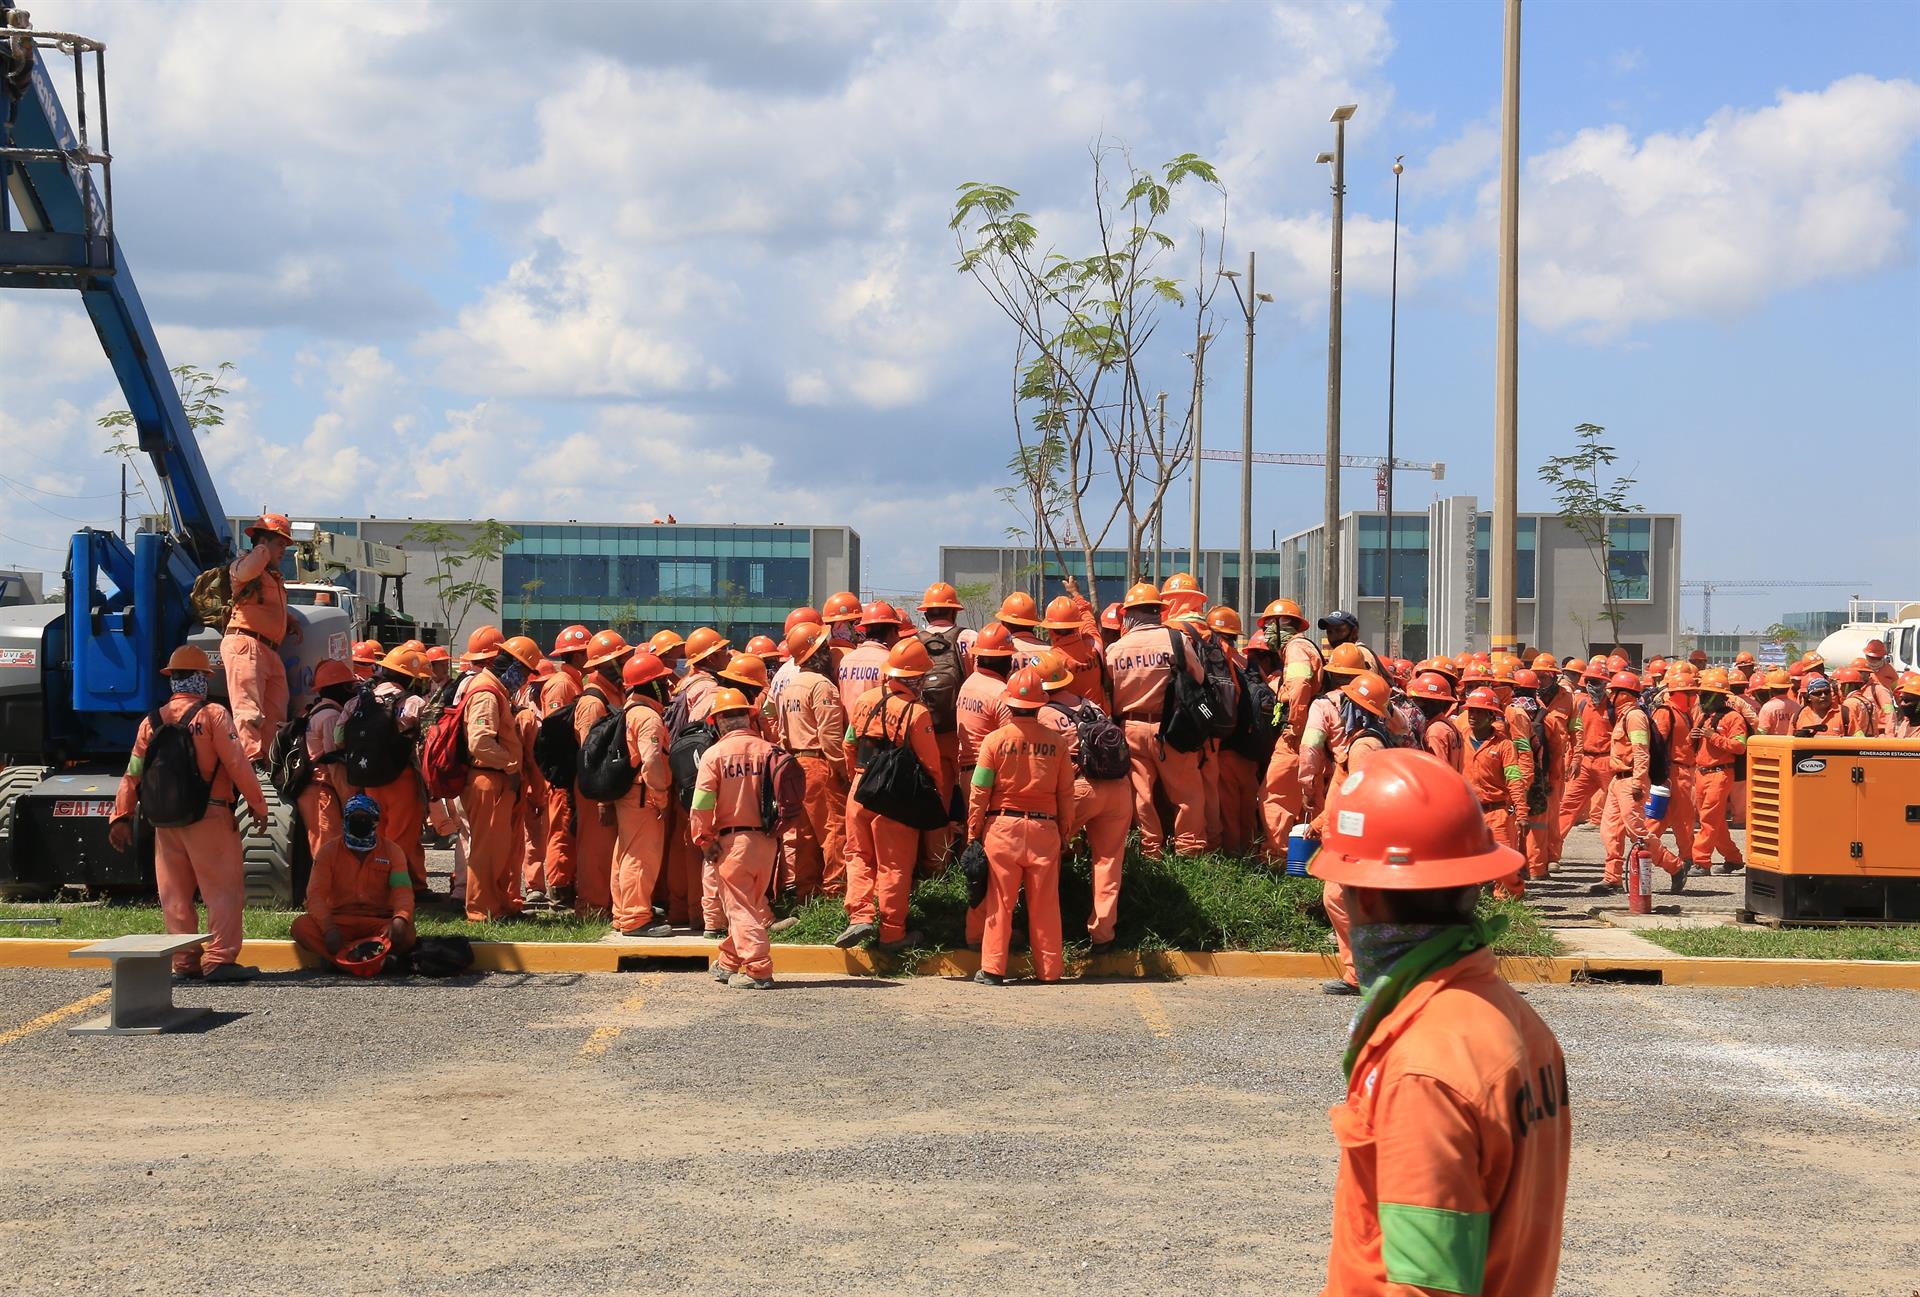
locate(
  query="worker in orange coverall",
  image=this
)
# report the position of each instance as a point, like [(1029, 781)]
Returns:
[(1283, 627), (813, 727), (1720, 738), (729, 831), (1630, 762), (881, 850), (320, 801), (560, 690), (1238, 777), (1348, 726), (708, 653), (1020, 805), (493, 777), (1102, 807), (640, 817), (360, 888), (1140, 664), (597, 823), (1542, 839), (1592, 730), (205, 855), (1455, 1134), (250, 649), (1497, 777), (979, 711)]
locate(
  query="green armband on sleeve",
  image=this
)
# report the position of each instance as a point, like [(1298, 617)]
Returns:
[(136, 766), (1637, 737), (1523, 745), (704, 799), (849, 737), (1515, 772), (1431, 1247), (983, 776), (399, 878), (1313, 738)]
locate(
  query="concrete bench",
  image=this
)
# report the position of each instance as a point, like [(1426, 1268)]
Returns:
[(142, 1002)]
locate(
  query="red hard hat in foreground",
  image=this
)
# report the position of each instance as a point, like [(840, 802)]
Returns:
[(1407, 821)]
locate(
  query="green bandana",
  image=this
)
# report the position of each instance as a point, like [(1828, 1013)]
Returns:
[(1442, 950)]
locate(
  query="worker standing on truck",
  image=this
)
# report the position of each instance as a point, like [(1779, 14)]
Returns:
[(188, 773), (1455, 1136), (250, 649)]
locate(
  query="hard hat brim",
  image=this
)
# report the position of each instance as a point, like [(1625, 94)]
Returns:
[(1458, 871)]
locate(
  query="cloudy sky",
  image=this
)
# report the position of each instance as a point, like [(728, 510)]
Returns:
[(608, 262)]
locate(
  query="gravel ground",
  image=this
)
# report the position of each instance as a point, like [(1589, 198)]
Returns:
[(1582, 865), (654, 1133)]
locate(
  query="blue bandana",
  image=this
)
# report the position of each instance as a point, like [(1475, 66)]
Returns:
[(360, 823), (191, 682)]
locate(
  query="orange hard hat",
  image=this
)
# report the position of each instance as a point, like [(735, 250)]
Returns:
[(803, 617), (762, 646), (367, 652), (1183, 583), (607, 646), (1483, 700), (1502, 668), (1546, 662), (1018, 609), (1684, 678), (273, 524), (1063, 613), (1282, 608), (844, 606), (1369, 690), (1911, 685), (1575, 667), (1698, 657), (1110, 617), (803, 639), (1861, 664), (1224, 620), (1745, 659), (1811, 656), (1346, 659), (187, 658), (643, 667), (728, 700), (665, 643), (994, 640), (1144, 595), (1054, 671), (418, 646), (1714, 680), (438, 653), (1461, 661), (704, 643), (746, 669), (908, 660), (940, 595), (1779, 679), (332, 672), (879, 613), (573, 639), (1596, 670), (1876, 648), (1407, 821), (1624, 681), (1401, 669), (522, 650), (547, 669), (1444, 666), (1026, 690), (482, 645), (1525, 678), (404, 661), (1849, 676), (1430, 684)]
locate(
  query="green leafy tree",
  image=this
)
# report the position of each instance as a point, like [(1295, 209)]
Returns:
[(625, 620), (1786, 637), (1082, 410), (459, 555), (1587, 505), (200, 396), (528, 591), (976, 597)]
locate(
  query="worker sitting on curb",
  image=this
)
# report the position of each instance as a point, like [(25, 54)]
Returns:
[(360, 889), (1456, 1134), (734, 837)]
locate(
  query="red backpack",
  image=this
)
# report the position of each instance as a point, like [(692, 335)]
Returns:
[(444, 759)]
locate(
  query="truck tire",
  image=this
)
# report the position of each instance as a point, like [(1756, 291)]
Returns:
[(15, 780), (277, 858)]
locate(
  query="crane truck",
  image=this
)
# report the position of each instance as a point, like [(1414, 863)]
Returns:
[(76, 676)]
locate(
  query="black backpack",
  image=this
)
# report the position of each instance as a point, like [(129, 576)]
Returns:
[(1103, 743), (173, 792), (373, 751), (1254, 732), (1224, 680), (1659, 759), (289, 768), (606, 766), (556, 748), (783, 791), (893, 783), (1542, 763), (1190, 713), (940, 687), (687, 741)]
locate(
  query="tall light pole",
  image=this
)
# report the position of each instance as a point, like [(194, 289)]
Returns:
[(1249, 307), (1501, 611), (1393, 339), (1330, 547), (1160, 506), (1199, 358)]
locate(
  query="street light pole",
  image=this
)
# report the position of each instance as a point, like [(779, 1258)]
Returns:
[(1249, 307), (1330, 540), (1393, 339), (1502, 614), (1199, 359), (1160, 505)]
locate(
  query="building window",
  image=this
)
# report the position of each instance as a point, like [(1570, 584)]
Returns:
[(756, 578), (1630, 557), (683, 580), (1524, 535)]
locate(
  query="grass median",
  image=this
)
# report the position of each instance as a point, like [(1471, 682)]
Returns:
[(1896, 944)]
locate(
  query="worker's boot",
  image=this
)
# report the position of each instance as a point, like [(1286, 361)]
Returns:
[(1339, 988), (984, 978), (720, 972), (907, 942), (562, 898), (1677, 881), (748, 982), (232, 973), (854, 934)]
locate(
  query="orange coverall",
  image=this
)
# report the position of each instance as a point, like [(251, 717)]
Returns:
[(320, 801), (1592, 741), (1721, 744), (640, 818), (1776, 715), (250, 652), (403, 801), (726, 824), (1443, 740), (493, 744), (1626, 794), (1455, 1140), (1298, 686), (980, 710), (860, 671), (813, 727), (1333, 897), (530, 823), (880, 851), (1238, 780), (1021, 806), (688, 900), (1497, 778), (597, 824), (559, 690), (357, 894), (1675, 723), (1104, 808), (1543, 832), (1140, 664), (206, 855)]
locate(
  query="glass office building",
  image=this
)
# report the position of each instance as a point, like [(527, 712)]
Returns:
[(991, 573)]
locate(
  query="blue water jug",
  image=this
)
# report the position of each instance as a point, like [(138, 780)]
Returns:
[(1300, 849), (1656, 807)]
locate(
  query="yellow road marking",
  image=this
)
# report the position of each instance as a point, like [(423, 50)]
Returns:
[(48, 1019), (604, 1036), (1151, 1012)]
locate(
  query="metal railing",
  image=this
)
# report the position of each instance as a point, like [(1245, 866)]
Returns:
[(18, 48)]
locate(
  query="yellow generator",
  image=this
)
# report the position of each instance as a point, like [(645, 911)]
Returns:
[(1833, 830)]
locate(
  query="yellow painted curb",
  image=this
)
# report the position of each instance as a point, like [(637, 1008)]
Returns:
[(613, 957)]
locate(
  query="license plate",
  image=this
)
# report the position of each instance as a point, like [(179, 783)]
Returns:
[(78, 809)]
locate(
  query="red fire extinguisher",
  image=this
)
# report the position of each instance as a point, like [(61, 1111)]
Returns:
[(1640, 879)]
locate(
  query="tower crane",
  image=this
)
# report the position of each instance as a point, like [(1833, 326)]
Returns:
[(1706, 587), (1378, 463)]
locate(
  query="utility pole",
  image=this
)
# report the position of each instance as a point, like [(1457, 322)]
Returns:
[(1199, 359), (1249, 307), (1393, 340), (1160, 503), (1330, 548), (123, 499), (1501, 612)]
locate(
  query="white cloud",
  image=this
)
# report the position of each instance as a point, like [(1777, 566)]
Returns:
[(1617, 231)]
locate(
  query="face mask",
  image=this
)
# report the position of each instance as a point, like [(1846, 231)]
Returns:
[(514, 677), (1548, 688), (1597, 691), (194, 683), (1377, 947), (1278, 633)]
